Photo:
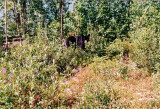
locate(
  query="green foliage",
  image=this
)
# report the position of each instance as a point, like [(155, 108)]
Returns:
[(108, 18), (146, 35), (70, 59), (117, 49), (1, 41), (104, 20), (28, 14), (146, 52), (29, 73), (96, 45), (110, 68)]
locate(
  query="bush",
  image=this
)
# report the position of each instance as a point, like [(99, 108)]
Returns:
[(70, 59), (29, 74), (119, 49), (145, 35), (26, 72), (146, 51)]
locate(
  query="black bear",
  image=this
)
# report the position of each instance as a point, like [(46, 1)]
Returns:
[(70, 39), (79, 41)]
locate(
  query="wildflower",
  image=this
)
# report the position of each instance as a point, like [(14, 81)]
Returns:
[(53, 60), (141, 99), (10, 93), (155, 107), (11, 75), (138, 93), (4, 70), (151, 99)]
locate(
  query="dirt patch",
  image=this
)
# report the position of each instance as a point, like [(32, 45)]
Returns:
[(75, 83)]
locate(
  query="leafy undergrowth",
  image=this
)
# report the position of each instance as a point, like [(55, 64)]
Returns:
[(30, 74), (40, 75)]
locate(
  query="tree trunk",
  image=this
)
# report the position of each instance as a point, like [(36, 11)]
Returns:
[(23, 15), (45, 23), (61, 19), (129, 3), (16, 18), (6, 26)]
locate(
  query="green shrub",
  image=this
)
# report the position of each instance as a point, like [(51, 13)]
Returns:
[(29, 74), (111, 68), (146, 49), (145, 35), (70, 59), (118, 49)]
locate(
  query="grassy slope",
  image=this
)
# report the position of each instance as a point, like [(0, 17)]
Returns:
[(137, 91)]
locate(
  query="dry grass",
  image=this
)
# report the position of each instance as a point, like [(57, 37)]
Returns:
[(75, 83), (137, 92)]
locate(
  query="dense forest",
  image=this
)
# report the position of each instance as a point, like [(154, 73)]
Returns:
[(117, 67)]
